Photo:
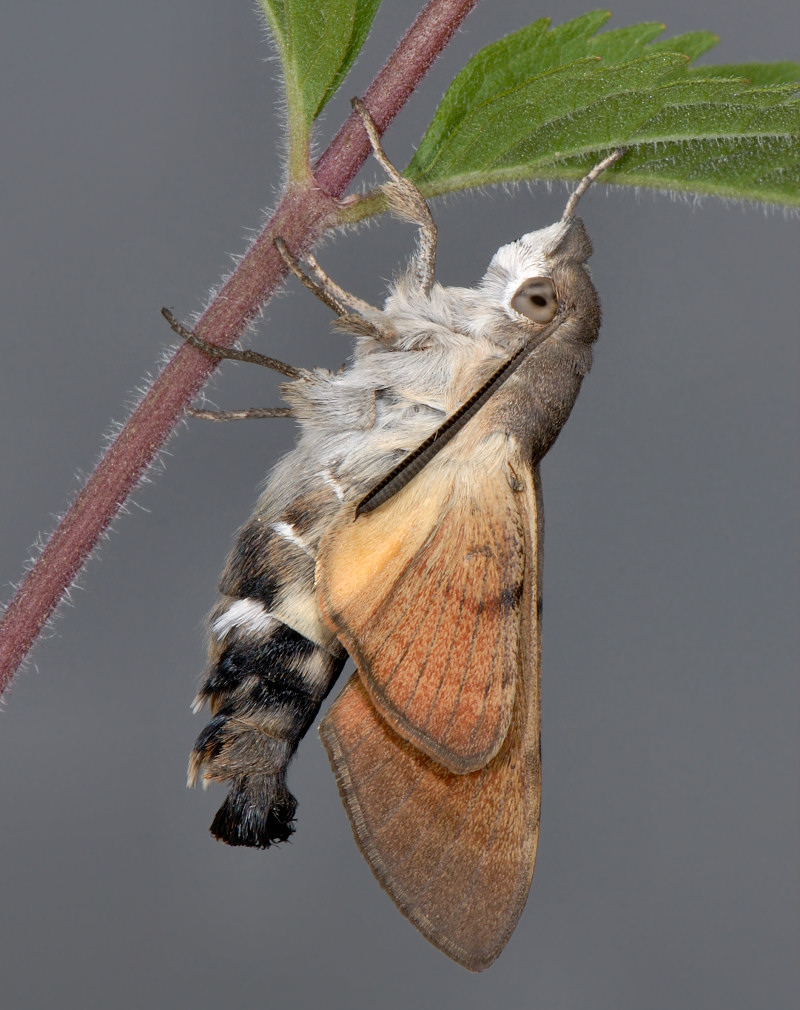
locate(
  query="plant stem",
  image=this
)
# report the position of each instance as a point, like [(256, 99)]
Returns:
[(304, 214)]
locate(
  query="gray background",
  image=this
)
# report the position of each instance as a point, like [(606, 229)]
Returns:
[(139, 142)]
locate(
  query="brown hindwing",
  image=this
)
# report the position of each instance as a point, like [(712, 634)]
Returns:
[(424, 594), (454, 851)]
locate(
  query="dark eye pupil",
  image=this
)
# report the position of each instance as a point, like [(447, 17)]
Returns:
[(537, 299)]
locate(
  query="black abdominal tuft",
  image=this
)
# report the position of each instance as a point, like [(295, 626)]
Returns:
[(256, 815)]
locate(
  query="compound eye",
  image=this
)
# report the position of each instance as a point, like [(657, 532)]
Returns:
[(536, 299)]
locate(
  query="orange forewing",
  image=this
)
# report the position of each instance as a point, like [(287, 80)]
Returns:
[(424, 594), (454, 851)]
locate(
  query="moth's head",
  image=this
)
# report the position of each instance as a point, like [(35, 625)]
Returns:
[(529, 281), (544, 274)]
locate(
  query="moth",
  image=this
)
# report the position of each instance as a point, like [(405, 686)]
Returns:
[(405, 531)]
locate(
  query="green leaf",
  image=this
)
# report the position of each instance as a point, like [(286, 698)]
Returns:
[(755, 73), (549, 103), (317, 40)]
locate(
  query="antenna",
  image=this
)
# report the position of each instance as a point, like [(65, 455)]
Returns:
[(587, 180)]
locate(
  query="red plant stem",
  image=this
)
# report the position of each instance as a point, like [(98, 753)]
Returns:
[(303, 216)]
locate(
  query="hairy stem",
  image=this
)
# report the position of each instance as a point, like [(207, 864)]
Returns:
[(304, 214)]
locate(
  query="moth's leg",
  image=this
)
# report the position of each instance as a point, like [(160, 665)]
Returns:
[(364, 308), (333, 296), (239, 415), (321, 290), (407, 203), (215, 351)]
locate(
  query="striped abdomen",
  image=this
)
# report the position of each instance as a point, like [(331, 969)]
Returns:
[(271, 664)]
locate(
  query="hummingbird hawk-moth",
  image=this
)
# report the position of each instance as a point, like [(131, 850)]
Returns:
[(405, 531)]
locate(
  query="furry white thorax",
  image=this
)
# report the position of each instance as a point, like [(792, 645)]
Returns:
[(357, 423)]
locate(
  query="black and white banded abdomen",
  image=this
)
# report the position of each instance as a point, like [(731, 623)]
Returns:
[(271, 664)]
